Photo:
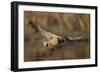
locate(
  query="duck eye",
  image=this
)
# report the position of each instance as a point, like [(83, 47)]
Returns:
[(61, 40)]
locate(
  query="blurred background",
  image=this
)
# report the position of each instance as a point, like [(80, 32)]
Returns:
[(59, 24)]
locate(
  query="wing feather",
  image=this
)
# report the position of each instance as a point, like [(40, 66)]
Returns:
[(46, 34)]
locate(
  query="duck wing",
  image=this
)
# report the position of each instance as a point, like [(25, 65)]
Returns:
[(77, 36), (46, 34)]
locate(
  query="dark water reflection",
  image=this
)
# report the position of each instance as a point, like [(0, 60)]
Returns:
[(67, 50)]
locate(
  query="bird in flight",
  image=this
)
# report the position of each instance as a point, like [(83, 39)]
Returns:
[(53, 40)]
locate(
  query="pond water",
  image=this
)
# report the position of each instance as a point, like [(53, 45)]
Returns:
[(67, 50)]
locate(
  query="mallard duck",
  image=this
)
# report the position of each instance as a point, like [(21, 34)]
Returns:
[(52, 39)]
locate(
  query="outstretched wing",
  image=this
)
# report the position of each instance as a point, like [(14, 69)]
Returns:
[(77, 36), (46, 34)]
